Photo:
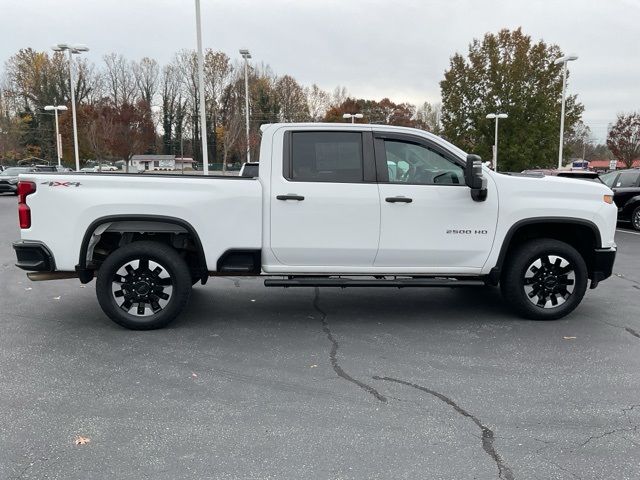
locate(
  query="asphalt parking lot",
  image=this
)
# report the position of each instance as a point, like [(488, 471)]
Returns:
[(332, 384)]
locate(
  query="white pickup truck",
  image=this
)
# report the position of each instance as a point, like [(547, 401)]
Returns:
[(334, 205)]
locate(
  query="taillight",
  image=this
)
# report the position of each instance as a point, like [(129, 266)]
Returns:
[(24, 212)]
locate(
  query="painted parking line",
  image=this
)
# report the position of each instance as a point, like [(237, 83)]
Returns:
[(627, 231)]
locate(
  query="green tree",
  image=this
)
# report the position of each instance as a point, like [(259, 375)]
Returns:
[(507, 72)]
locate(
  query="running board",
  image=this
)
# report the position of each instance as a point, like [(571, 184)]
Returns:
[(352, 282)]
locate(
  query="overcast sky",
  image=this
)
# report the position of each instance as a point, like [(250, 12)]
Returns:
[(376, 48)]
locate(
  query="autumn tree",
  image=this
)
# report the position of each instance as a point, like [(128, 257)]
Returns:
[(623, 138), (120, 81), (132, 128), (427, 117), (317, 102), (578, 141), (509, 73), (384, 112), (291, 99), (218, 73)]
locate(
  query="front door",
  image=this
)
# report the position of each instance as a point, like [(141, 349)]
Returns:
[(428, 218), (325, 207)]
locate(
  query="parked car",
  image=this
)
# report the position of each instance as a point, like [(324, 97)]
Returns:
[(9, 178), (335, 205), (578, 174), (46, 168), (249, 169), (105, 167), (626, 194)]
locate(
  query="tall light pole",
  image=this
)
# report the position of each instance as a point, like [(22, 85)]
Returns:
[(246, 55), (203, 114), (58, 139), (496, 116), (564, 60), (352, 116), (72, 49)]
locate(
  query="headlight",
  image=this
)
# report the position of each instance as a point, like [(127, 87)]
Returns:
[(13, 180)]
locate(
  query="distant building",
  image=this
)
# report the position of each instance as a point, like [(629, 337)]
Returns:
[(161, 162), (605, 165)]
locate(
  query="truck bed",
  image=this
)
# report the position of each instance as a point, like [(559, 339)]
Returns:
[(226, 211)]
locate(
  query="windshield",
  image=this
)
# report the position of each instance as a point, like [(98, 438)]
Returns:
[(15, 171)]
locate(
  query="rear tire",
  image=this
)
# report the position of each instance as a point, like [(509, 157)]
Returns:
[(143, 285), (635, 219), (544, 279)]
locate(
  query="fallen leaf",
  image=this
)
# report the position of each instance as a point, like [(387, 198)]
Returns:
[(56, 298), (313, 366), (252, 300), (80, 440), (28, 288), (194, 375), (83, 286), (569, 338)]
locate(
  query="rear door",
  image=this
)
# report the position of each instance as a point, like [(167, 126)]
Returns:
[(625, 187), (325, 207)]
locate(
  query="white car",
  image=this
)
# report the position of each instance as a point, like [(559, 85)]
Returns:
[(334, 205)]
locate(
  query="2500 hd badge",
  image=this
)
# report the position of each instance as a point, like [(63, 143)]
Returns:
[(467, 232)]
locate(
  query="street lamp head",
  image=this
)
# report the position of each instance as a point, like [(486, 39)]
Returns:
[(346, 115), (245, 53), (78, 48), (503, 115), (358, 115), (48, 108), (491, 116), (62, 107), (566, 58)]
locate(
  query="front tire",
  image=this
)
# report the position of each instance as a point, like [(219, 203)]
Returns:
[(544, 279), (143, 285)]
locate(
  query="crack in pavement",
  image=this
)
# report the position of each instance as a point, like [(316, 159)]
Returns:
[(334, 352), (632, 332), (607, 433), (632, 427), (504, 472), (629, 330), (624, 277)]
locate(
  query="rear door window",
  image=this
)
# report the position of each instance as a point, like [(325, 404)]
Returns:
[(627, 180), (326, 157)]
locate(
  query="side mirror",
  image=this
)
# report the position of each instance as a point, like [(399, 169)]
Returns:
[(474, 179)]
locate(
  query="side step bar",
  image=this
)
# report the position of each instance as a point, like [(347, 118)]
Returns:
[(352, 282)]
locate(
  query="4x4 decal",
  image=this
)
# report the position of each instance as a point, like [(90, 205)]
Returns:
[(61, 184)]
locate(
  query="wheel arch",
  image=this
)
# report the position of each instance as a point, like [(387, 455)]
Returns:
[(147, 224), (582, 234), (629, 206)]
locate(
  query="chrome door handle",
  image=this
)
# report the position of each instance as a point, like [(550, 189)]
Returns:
[(290, 196), (399, 199)]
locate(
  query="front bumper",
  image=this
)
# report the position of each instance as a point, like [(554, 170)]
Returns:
[(603, 259), (34, 256)]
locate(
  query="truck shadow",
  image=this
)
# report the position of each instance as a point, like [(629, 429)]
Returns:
[(248, 302)]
